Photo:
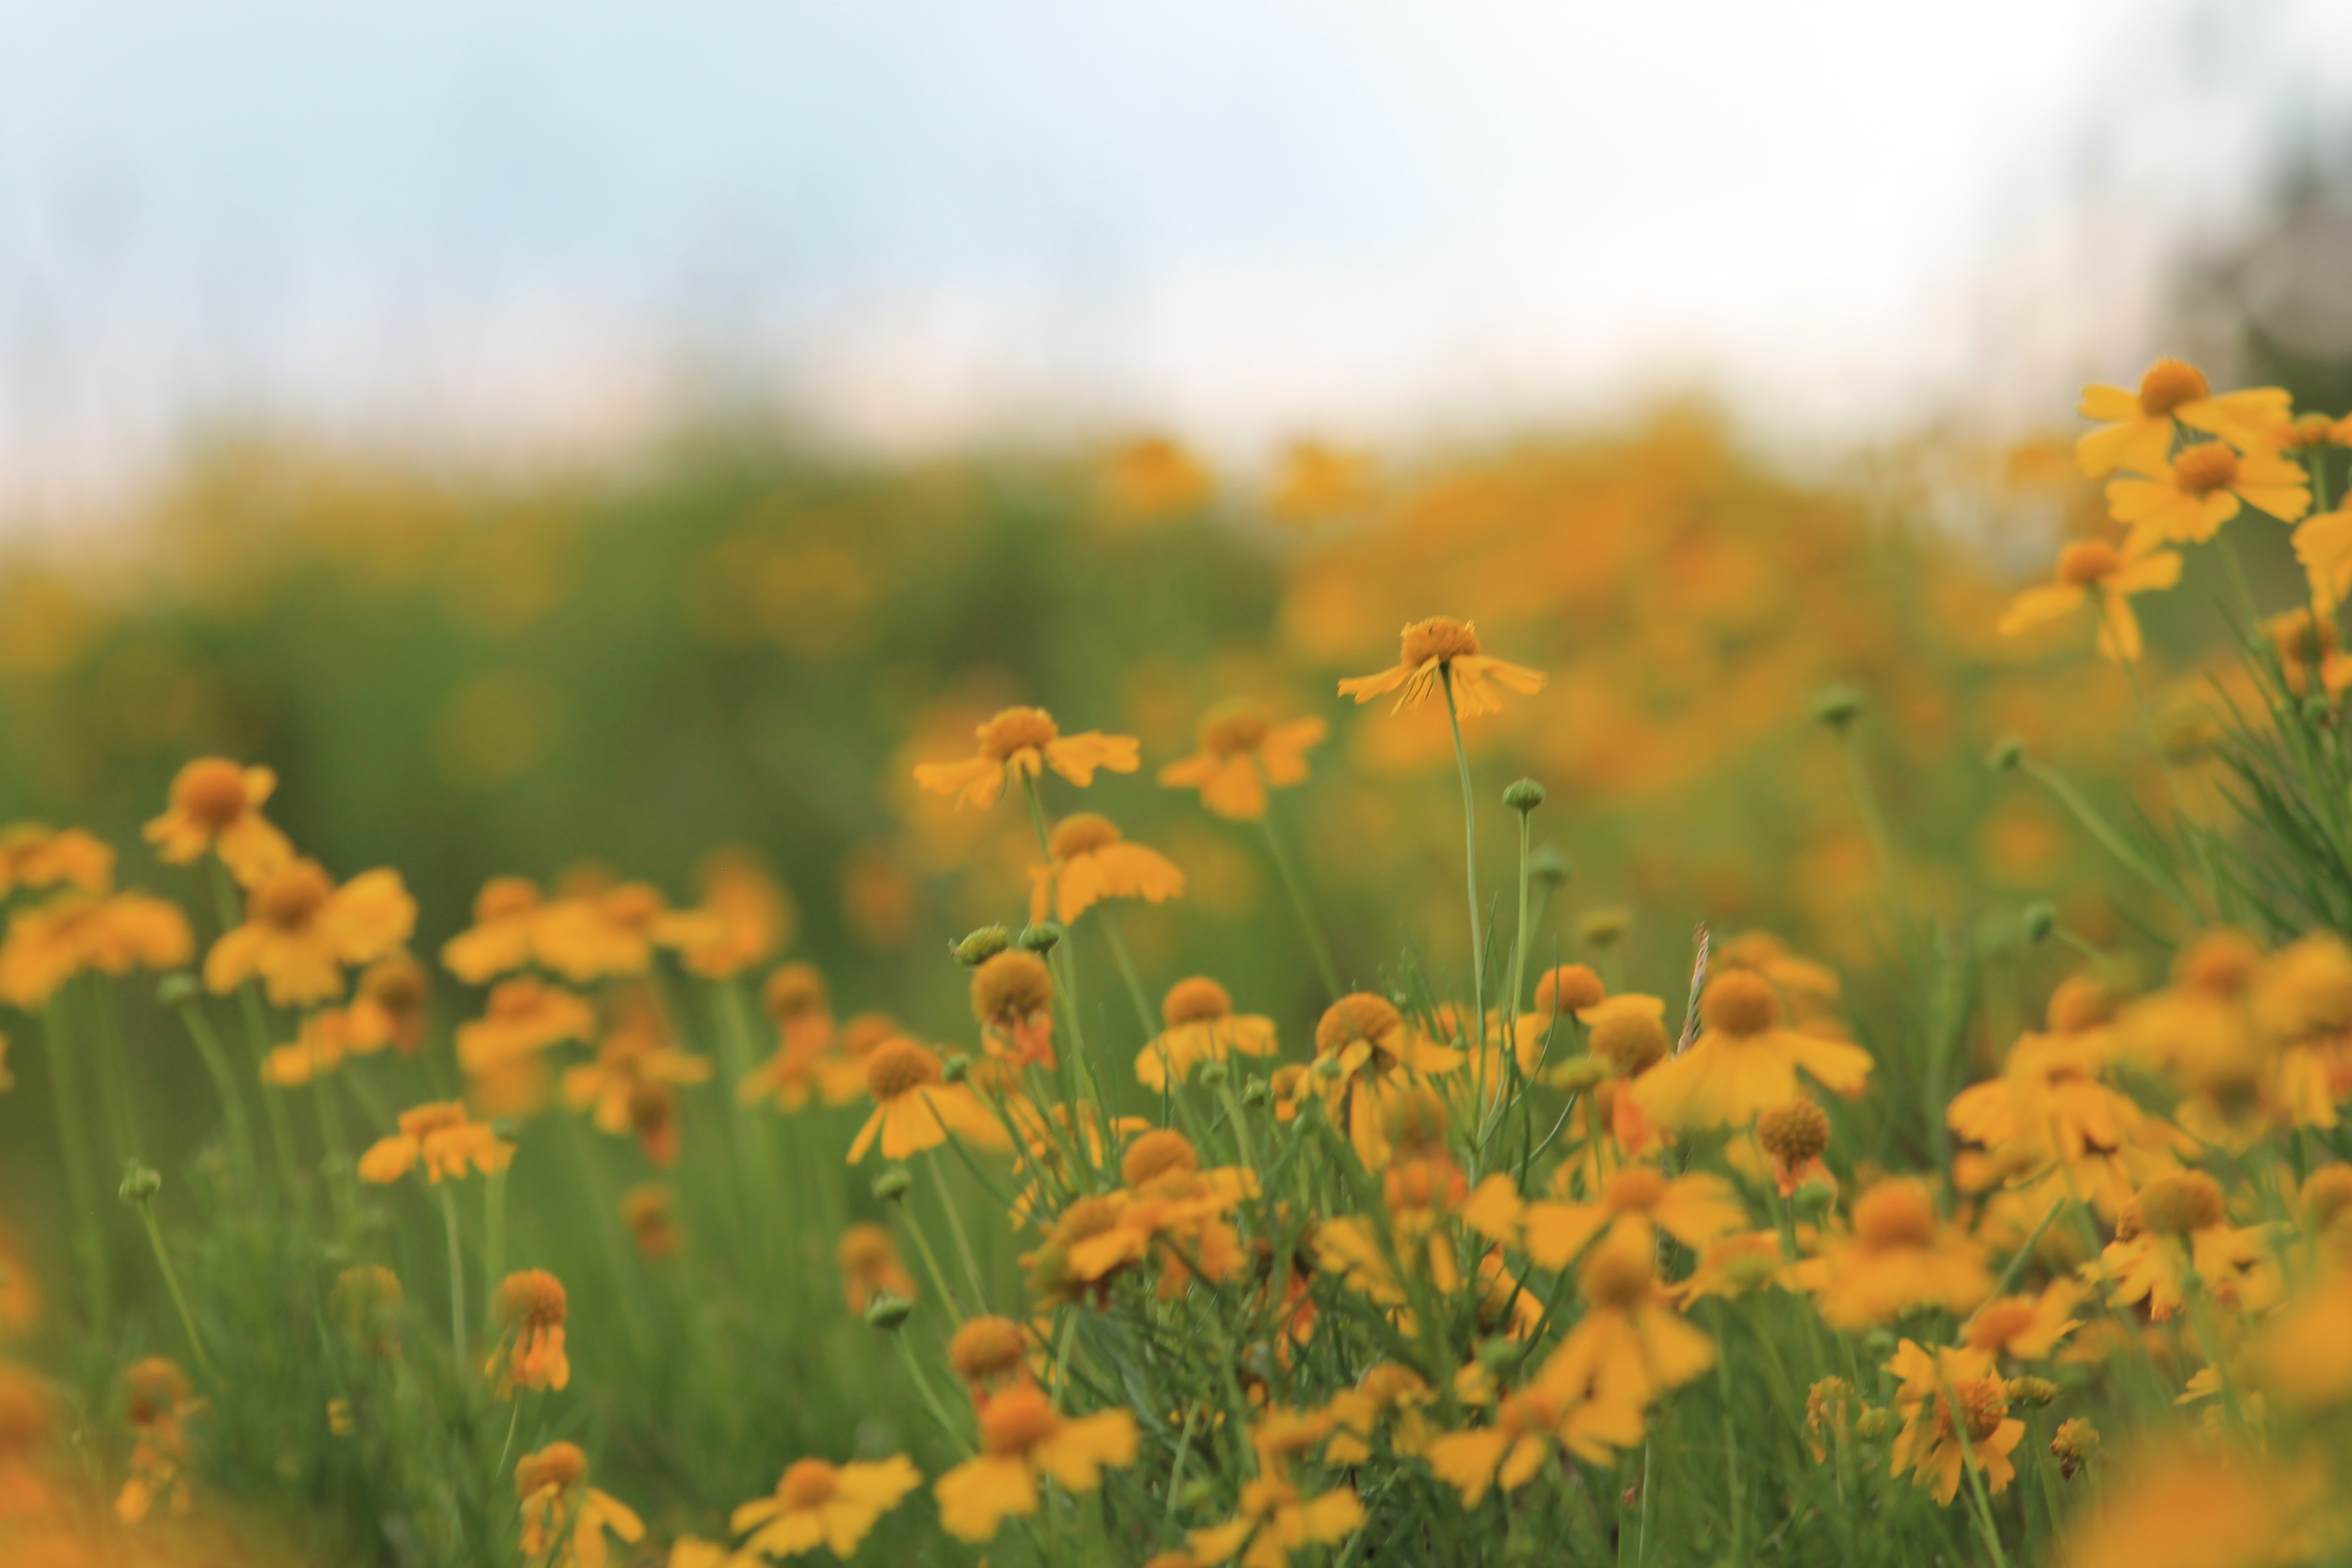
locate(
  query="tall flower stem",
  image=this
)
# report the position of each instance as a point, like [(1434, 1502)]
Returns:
[(256, 1044), (90, 1240), (215, 1058), (172, 1283), (1127, 970), (457, 1276), (1061, 960), (1291, 883), (754, 1156), (1469, 862), (955, 1227), (2188, 827), (494, 1240)]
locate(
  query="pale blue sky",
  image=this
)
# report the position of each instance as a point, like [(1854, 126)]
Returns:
[(506, 225)]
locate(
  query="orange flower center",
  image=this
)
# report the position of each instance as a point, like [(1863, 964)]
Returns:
[(1619, 1274), (1360, 1016), (987, 1348), (1014, 985), (865, 1249), (2087, 562), (2168, 384), (1794, 1132), (791, 991), (396, 986), (2220, 964), (1017, 1421), (808, 1483), (1440, 639), (1635, 1190), (1081, 833), (1984, 1406), (2184, 1201), (1741, 1003), (1631, 1042), (1197, 1000), (2202, 469), (1156, 1153), (534, 1298), (503, 897), (291, 899), (1233, 728), (423, 1121), (1893, 1215), (1568, 989), (2300, 637), (1016, 730), (2078, 1003), (212, 793), (898, 1067)]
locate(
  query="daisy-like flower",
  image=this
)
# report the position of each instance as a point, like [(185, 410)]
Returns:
[(1438, 652), (300, 929), (1811, 987), (1153, 478), (1278, 1520), (1695, 1209), (1202, 1027), (743, 916), (34, 855), (1021, 1437), (1167, 1199), (1794, 1132), (2140, 425), (1929, 1446), (1630, 1327), (564, 1519), (1366, 1055), (71, 932), (2310, 651), (1089, 861), (389, 1008), (317, 1050), (2202, 487), (2090, 569), (915, 1108), (1899, 1256), (530, 1352), (2323, 543), (599, 929), (1243, 754), (870, 1267), (506, 912), (440, 1137), (502, 1053), (1013, 998), (2179, 1223), (819, 1503), (2027, 1328), (1735, 1265), (635, 1053), (1027, 741), (1389, 1392), (1743, 1061), (1318, 481), (216, 804), (1575, 1403), (988, 1354), (161, 1401)]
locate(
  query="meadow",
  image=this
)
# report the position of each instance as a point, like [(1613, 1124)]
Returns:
[(743, 1005)]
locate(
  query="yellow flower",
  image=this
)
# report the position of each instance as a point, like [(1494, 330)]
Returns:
[(1929, 1447), (1025, 740), (1630, 1327), (2177, 1223), (1899, 1256), (506, 911), (2026, 1327), (2088, 567), (2202, 487), (2139, 434), (1576, 1403), (32, 856), (1276, 1520), (1151, 479), (1167, 1196), (821, 1504), (1695, 1209), (390, 1007), (300, 929), (1366, 1055), (915, 1108), (2194, 1507), (1744, 1061), (530, 1352), (870, 1267), (563, 1515), (1243, 754), (500, 1052), (744, 915), (1442, 652), (2310, 650), (636, 1051), (442, 1138), (1317, 481), (216, 805), (598, 929), (1202, 1027), (1091, 861), (70, 932), (2306, 1349), (161, 1402), (1022, 1436), (317, 1050)]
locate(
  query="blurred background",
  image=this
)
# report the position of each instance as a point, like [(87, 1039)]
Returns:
[(605, 433)]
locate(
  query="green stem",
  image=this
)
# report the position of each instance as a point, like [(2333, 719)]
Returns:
[(494, 1242), (172, 1283), (1873, 820), (215, 1058), (931, 1263), (113, 1071), (1730, 1432), (1292, 884), (2113, 842), (89, 1239), (1975, 1476), (457, 1278), (955, 1225), (1469, 861), (931, 1395), (754, 1153), (2187, 828), (1127, 970)]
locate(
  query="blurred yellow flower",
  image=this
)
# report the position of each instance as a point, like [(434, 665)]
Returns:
[(821, 1504), (1743, 1061), (1202, 1027), (216, 804), (564, 1519), (442, 1138), (33, 856), (1022, 1436), (1929, 1446), (1090, 860), (1243, 752), (2138, 435), (2092, 566), (916, 1108), (300, 929), (1437, 653), (2201, 488), (1026, 740), (530, 1353)]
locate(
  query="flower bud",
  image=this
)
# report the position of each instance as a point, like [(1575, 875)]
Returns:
[(956, 1068), (1255, 1092), (1872, 1425), (2318, 710), (982, 945), (2033, 1391), (177, 989), (2041, 920), (893, 1184), (1549, 866), (1837, 706), (1043, 937), (1523, 796), (1604, 928), (1814, 1196), (1497, 1354), (887, 1312), (2008, 755), (1214, 1074), (139, 1183)]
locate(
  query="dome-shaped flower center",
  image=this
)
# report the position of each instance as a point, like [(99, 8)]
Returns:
[(1017, 730), (211, 793), (808, 1483), (1154, 1154), (2220, 963), (793, 991), (1438, 637), (1570, 988), (534, 1298), (1984, 1406), (632, 906), (503, 897), (2078, 1003), (1233, 728), (1358, 1017), (987, 1348), (1081, 833), (2300, 637), (1197, 1000), (2206, 467), (1635, 1190), (1893, 1215), (2181, 1201), (558, 1464), (292, 898), (2087, 562), (1632, 1043), (1793, 1133), (1741, 1003), (898, 1067), (1013, 985), (1017, 1421), (1618, 1272), (2168, 384), (422, 1121), (396, 986), (653, 1107)]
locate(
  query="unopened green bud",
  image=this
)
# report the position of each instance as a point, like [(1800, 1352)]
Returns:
[(2318, 710), (893, 1184), (1523, 795), (887, 1312), (1042, 937), (1497, 1354), (1872, 1425), (982, 945), (2008, 755), (1837, 706), (2041, 920), (1814, 1196), (2033, 1391), (957, 1067), (139, 1183), (1549, 864), (1604, 928), (1255, 1092), (1214, 1074), (177, 989)]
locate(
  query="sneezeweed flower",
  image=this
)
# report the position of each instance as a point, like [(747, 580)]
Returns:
[(1089, 861), (1169, 1207), (636, 1055), (506, 912), (1930, 1445), (2092, 571), (530, 1352), (73, 932), (818, 1504), (2141, 426), (1795, 1132), (1389, 1393), (1244, 752), (34, 855), (649, 1216), (300, 929), (1013, 998), (1317, 481), (1025, 742), (1021, 1437), (1811, 987), (915, 1108), (598, 929), (742, 916), (1745, 1060), (2202, 487), (161, 1401), (1736, 1265), (28, 1413), (794, 999), (2025, 1328), (564, 1519), (317, 1050), (441, 1139), (870, 1267), (1442, 653), (1574, 1405), (1630, 1327), (216, 804), (2198, 1505), (989, 1353), (389, 1007), (1900, 1256), (1275, 1519), (1151, 479), (2323, 543), (2310, 651), (1202, 1027), (1695, 1208), (1366, 1054), (2179, 1224), (502, 1053)]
